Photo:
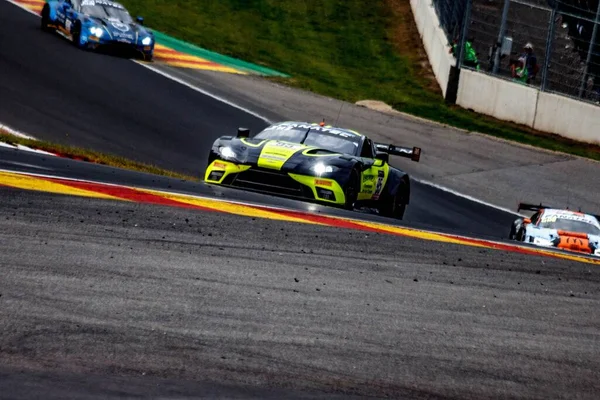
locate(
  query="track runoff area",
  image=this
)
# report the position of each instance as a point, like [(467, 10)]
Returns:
[(82, 188)]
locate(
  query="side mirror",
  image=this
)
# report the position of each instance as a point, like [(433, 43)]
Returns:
[(383, 156), (140, 20), (243, 132), (526, 221)]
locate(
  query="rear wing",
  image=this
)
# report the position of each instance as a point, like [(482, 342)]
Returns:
[(413, 153), (538, 207), (532, 207)]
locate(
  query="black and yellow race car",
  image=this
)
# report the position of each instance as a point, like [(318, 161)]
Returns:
[(314, 162)]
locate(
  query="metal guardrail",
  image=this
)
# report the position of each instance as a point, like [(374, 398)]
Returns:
[(564, 36)]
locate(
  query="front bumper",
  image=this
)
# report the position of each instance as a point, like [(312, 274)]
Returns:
[(121, 47), (283, 183)]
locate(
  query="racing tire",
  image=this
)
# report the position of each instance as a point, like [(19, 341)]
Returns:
[(513, 233), (45, 20), (521, 235), (394, 207), (516, 231), (351, 190), (76, 36)]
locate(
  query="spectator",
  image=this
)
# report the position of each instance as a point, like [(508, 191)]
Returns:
[(519, 71), (470, 55), (530, 63)]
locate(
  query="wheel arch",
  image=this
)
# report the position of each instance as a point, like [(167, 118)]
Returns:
[(398, 181)]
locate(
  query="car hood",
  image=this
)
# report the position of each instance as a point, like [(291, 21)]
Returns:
[(276, 154), (122, 31)]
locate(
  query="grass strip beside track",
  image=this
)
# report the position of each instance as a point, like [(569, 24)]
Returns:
[(92, 156), (349, 49)]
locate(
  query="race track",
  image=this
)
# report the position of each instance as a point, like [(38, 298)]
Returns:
[(108, 299), (111, 104)]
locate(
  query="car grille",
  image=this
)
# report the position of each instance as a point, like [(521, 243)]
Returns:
[(268, 181), (120, 49)]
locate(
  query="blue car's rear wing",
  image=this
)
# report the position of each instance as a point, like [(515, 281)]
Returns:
[(413, 153)]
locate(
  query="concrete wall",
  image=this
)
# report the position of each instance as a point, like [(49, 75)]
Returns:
[(434, 41), (568, 117), (503, 99), (492, 96)]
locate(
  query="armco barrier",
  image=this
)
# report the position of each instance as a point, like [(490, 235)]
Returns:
[(492, 96), (567, 117), (500, 98), (434, 41)]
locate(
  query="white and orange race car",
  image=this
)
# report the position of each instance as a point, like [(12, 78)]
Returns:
[(558, 228)]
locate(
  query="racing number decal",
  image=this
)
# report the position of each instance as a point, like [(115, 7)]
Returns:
[(379, 185), (373, 182), (549, 219)]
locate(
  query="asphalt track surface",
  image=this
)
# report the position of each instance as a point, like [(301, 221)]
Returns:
[(114, 299), (110, 299)]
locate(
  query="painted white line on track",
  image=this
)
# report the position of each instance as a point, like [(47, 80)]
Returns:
[(15, 132), (21, 147), (20, 164), (248, 111), (467, 197), (202, 91)]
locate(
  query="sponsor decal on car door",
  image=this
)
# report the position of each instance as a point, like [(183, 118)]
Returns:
[(373, 181)]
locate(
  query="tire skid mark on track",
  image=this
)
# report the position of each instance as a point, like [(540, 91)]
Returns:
[(59, 185)]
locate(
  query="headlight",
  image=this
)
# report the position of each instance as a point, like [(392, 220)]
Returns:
[(96, 31), (542, 242), (227, 153), (321, 169), (147, 41)]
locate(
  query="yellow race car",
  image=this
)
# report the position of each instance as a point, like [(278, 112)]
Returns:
[(315, 162)]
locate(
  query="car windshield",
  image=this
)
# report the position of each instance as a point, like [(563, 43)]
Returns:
[(346, 143), (570, 225), (107, 12)]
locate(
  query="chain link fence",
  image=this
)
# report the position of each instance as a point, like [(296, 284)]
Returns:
[(564, 36), (451, 14)]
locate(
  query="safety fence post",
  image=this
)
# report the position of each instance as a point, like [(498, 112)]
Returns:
[(549, 42), (453, 79), (590, 52), (501, 34), (463, 34)]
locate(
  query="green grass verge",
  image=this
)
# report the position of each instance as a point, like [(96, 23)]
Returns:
[(348, 49), (91, 156)]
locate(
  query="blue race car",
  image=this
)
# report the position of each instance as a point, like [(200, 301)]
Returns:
[(98, 24)]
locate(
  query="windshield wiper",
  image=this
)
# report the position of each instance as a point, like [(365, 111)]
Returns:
[(305, 136)]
